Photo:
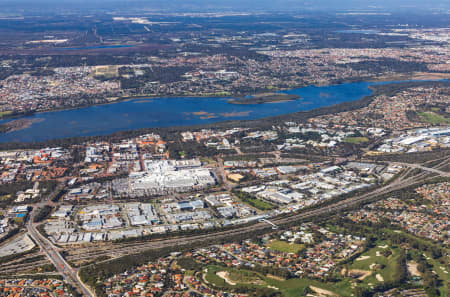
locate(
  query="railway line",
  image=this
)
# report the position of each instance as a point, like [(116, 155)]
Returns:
[(12, 268), (117, 250), (22, 258), (409, 177), (122, 249)]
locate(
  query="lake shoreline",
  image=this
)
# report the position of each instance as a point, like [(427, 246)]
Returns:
[(394, 79), (184, 112)]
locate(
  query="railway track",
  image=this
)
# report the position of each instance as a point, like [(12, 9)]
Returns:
[(21, 267), (118, 250), (114, 250)]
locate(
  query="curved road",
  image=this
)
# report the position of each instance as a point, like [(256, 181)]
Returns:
[(71, 275)]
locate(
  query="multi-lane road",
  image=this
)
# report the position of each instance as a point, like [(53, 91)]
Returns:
[(418, 166), (70, 275), (116, 250)]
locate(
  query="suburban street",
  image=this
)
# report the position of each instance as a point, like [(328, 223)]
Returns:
[(70, 274)]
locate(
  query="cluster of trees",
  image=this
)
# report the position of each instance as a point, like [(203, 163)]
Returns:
[(430, 280), (382, 230), (251, 291), (42, 72), (72, 290), (356, 40), (189, 264), (389, 64), (43, 213), (69, 60), (10, 234), (10, 190), (303, 136), (243, 53), (161, 74), (342, 149), (399, 277), (189, 149), (279, 272)]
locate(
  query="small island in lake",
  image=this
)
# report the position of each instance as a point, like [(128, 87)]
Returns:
[(18, 124), (265, 98)]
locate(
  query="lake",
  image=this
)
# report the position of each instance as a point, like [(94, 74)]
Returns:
[(180, 111)]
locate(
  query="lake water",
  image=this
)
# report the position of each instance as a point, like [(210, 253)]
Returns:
[(163, 112)]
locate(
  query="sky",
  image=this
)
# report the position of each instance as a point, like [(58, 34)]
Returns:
[(208, 5)]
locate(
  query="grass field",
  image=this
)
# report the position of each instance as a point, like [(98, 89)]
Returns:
[(259, 204), (356, 140), (289, 288), (240, 277), (372, 261), (208, 160), (433, 118), (212, 278), (5, 113), (244, 276), (296, 286), (374, 256), (285, 247)]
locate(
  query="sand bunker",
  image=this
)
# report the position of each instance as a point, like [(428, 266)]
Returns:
[(322, 292), (359, 274), (412, 269), (226, 276), (363, 258)]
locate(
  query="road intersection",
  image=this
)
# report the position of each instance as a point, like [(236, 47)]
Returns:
[(116, 250)]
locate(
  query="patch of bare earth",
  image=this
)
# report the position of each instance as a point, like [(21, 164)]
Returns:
[(322, 292), (412, 269), (226, 276)]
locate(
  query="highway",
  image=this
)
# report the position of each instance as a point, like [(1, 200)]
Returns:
[(418, 166), (68, 273), (128, 248)]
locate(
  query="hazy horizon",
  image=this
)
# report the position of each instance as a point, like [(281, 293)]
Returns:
[(216, 5)]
